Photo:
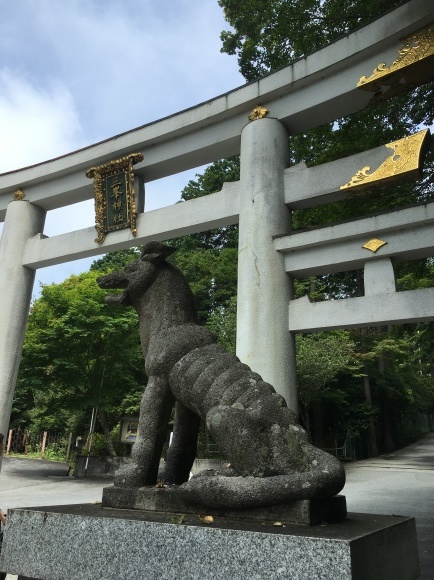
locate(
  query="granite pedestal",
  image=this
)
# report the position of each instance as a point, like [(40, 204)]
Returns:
[(89, 542)]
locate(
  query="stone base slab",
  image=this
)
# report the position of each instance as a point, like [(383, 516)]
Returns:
[(169, 499), (88, 542)]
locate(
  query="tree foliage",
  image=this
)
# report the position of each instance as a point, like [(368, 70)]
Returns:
[(320, 358), (268, 34), (77, 354), (223, 324)]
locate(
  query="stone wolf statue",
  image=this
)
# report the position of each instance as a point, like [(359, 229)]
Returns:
[(270, 456)]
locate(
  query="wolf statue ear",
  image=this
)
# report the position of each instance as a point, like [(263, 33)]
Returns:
[(156, 252)]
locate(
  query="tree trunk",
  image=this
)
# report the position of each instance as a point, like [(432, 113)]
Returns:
[(107, 435), (372, 439), (317, 427), (360, 288), (386, 423)]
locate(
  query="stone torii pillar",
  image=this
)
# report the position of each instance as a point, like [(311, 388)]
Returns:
[(264, 289), (23, 221)]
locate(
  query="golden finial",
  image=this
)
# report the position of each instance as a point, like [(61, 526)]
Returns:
[(19, 195), (258, 112)]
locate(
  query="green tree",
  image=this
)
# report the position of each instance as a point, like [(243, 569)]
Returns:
[(79, 353), (268, 34), (400, 380), (320, 359), (223, 324), (212, 275)]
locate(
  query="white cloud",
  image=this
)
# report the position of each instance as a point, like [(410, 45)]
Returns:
[(35, 123)]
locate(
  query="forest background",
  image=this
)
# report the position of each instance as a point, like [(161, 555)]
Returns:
[(371, 388)]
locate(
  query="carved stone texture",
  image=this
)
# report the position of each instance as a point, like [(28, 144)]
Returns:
[(271, 459)]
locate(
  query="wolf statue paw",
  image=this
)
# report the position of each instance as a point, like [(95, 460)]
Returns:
[(129, 475)]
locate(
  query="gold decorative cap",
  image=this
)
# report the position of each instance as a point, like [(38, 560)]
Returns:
[(258, 112), (19, 195), (374, 245)]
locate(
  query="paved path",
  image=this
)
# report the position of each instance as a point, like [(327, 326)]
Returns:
[(32, 482), (400, 483)]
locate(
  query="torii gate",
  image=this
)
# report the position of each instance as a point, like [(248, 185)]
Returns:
[(316, 89)]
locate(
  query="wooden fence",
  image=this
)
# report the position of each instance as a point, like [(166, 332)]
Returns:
[(24, 441)]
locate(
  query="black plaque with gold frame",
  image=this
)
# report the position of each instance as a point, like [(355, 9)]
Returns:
[(115, 203)]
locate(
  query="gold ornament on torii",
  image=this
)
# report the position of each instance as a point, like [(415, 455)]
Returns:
[(115, 204), (405, 161), (19, 195), (258, 112), (374, 245), (414, 66)]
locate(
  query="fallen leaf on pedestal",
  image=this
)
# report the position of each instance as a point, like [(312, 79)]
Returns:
[(206, 519), (178, 518)]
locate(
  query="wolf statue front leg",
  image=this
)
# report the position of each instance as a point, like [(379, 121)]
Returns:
[(183, 448), (155, 410)]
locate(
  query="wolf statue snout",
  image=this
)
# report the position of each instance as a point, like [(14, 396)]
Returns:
[(271, 458)]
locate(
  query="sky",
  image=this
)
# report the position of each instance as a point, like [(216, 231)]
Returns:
[(76, 72)]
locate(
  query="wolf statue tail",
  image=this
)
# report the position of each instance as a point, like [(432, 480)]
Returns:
[(325, 477)]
